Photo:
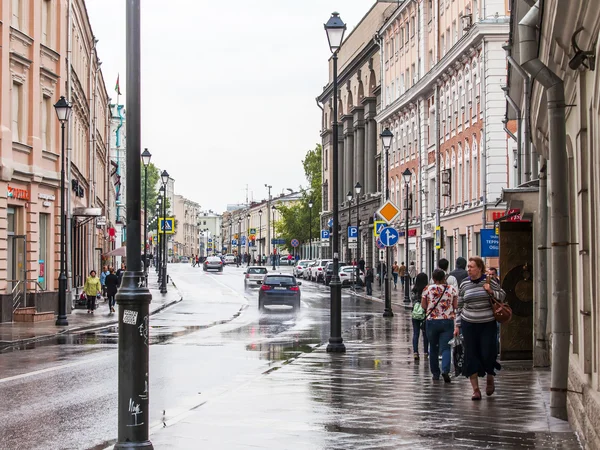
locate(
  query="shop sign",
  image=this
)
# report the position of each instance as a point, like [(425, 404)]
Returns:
[(48, 197), (18, 194)]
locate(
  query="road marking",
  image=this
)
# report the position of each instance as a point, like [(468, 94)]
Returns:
[(52, 369)]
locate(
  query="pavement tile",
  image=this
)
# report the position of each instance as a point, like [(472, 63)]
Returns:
[(375, 396)]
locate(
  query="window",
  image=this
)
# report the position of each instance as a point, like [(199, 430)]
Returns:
[(454, 33), (413, 25), (431, 61), (402, 31), (46, 126), (407, 36), (392, 50), (402, 87), (16, 112), (475, 11), (430, 10), (467, 176), (463, 246), (46, 22), (43, 248), (16, 14), (407, 78), (413, 73), (474, 180), (443, 45)]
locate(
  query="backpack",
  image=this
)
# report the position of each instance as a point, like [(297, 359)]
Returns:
[(418, 313)]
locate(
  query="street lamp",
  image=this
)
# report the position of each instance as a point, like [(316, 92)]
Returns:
[(239, 241), (157, 248), (63, 111), (335, 29), (310, 205), (248, 240), (260, 237), (349, 198), (358, 189), (164, 176), (407, 174), (386, 140), (146, 156), (274, 245), (161, 231)]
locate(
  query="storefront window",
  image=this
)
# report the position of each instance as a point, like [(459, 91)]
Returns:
[(43, 249)]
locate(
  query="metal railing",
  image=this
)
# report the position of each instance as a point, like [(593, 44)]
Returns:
[(19, 292)]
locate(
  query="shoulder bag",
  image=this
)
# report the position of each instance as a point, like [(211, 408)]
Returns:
[(434, 306), (502, 311)]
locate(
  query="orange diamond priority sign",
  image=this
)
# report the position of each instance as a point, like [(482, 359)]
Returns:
[(388, 211)]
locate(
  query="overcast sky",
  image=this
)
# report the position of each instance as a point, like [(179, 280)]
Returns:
[(228, 88)]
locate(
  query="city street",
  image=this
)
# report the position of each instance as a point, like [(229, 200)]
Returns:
[(62, 392)]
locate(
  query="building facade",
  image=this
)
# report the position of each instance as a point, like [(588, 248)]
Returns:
[(442, 62), (187, 229), (210, 229)]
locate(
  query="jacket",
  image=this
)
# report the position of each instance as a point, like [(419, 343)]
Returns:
[(459, 274), (103, 277), (92, 286), (112, 284)]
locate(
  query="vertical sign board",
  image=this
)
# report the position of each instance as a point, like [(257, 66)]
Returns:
[(490, 243), (439, 238)]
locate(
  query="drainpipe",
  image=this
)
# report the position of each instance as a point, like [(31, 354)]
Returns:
[(419, 262), (526, 114), (438, 180), (559, 197), (540, 357), (483, 149), (507, 131), (70, 280), (514, 105)]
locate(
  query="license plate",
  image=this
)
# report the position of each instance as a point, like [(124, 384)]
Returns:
[(281, 289)]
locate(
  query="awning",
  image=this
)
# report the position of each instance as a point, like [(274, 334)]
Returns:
[(120, 251)]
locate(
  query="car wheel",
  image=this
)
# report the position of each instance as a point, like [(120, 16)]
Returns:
[(297, 305), (221, 270), (261, 306), (245, 285)]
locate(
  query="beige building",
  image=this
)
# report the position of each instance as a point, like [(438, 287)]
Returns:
[(36, 37), (187, 218), (442, 66)]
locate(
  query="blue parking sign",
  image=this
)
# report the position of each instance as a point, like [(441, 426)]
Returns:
[(352, 232), (324, 234)]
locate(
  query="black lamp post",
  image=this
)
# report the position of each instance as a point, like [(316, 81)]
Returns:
[(159, 243), (335, 29), (406, 175), (161, 233), (164, 176), (310, 205), (386, 139), (260, 237), (146, 160), (239, 242), (63, 111), (274, 245), (349, 198), (248, 240), (357, 190)]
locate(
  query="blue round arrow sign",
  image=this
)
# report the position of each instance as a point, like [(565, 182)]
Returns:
[(389, 236)]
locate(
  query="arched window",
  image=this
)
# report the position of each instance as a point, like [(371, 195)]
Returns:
[(398, 198), (461, 178), (475, 84), (461, 98), (442, 114), (415, 197), (474, 177), (467, 156), (453, 180), (415, 134)]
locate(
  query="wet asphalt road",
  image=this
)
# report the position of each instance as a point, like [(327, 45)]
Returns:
[(63, 393)]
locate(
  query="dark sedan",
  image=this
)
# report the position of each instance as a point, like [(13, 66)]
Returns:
[(279, 289)]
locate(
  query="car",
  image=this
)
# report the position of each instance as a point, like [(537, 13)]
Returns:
[(184, 259), (329, 271), (300, 266), (279, 289), (254, 274), (348, 275), (213, 263), (306, 272), (229, 259), (317, 272)]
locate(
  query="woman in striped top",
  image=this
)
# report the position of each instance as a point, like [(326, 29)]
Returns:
[(475, 318)]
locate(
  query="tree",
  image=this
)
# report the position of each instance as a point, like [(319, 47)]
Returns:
[(152, 200), (294, 220)]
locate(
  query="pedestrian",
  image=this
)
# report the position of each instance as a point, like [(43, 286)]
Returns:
[(475, 319), (194, 260), (402, 273), (493, 273), (418, 316), (361, 264), (103, 275), (395, 270), (112, 285), (120, 272), (440, 301), (444, 264), (92, 288), (369, 281), (412, 272), (460, 272)]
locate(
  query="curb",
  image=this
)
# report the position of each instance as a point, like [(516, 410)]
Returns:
[(100, 325)]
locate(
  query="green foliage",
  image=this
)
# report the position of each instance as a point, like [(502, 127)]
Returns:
[(294, 220), (152, 200)]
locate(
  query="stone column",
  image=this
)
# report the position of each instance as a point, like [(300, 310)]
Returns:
[(371, 146), (359, 149), (349, 158), (340, 163)]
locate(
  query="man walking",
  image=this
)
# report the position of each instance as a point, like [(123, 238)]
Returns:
[(402, 273), (460, 272), (103, 274)]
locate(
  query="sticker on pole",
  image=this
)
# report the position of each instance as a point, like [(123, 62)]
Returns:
[(130, 317), (295, 243), (388, 211)]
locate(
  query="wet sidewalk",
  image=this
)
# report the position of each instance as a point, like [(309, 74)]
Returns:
[(16, 333), (374, 396)]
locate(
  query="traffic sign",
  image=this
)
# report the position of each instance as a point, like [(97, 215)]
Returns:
[(234, 242), (378, 225), (388, 211), (243, 240), (330, 222), (325, 234), (352, 244), (352, 232), (439, 238), (278, 241), (252, 230), (324, 243), (389, 236), (295, 243), (209, 241), (167, 225), (380, 245)]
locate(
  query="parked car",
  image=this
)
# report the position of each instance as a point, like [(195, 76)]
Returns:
[(329, 271), (253, 275), (300, 266), (348, 275), (184, 259), (279, 289), (306, 272), (229, 259), (213, 263), (317, 272)]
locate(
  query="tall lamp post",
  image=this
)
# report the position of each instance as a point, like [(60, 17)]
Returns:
[(357, 190), (63, 111), (164, 176), (335, 29), (239, 241), (161, 232), (146, 160), (406, 175), (274, 245), (386, 139), (349, 198), (260, 237), (248, 240), (310, 206), (157, 248), (133, 297)]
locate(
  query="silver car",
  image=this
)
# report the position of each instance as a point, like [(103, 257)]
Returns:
[(213, 263), (253, 275)]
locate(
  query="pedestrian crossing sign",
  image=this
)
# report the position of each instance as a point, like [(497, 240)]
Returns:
[(378, 225), (167, 225)]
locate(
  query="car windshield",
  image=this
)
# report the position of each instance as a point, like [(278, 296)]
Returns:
[(303, 263), (280, 281), (257, 270), (213, 259)]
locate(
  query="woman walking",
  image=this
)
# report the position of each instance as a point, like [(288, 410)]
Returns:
[(92, 288), (418, 316), (440, 300), (112, 286), (475, 318)]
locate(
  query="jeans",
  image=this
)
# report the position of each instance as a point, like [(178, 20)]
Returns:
[(91, 302), (416, 333), (395, 278), (111, 301), (369, 287), (480, 347), (439, 333)]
